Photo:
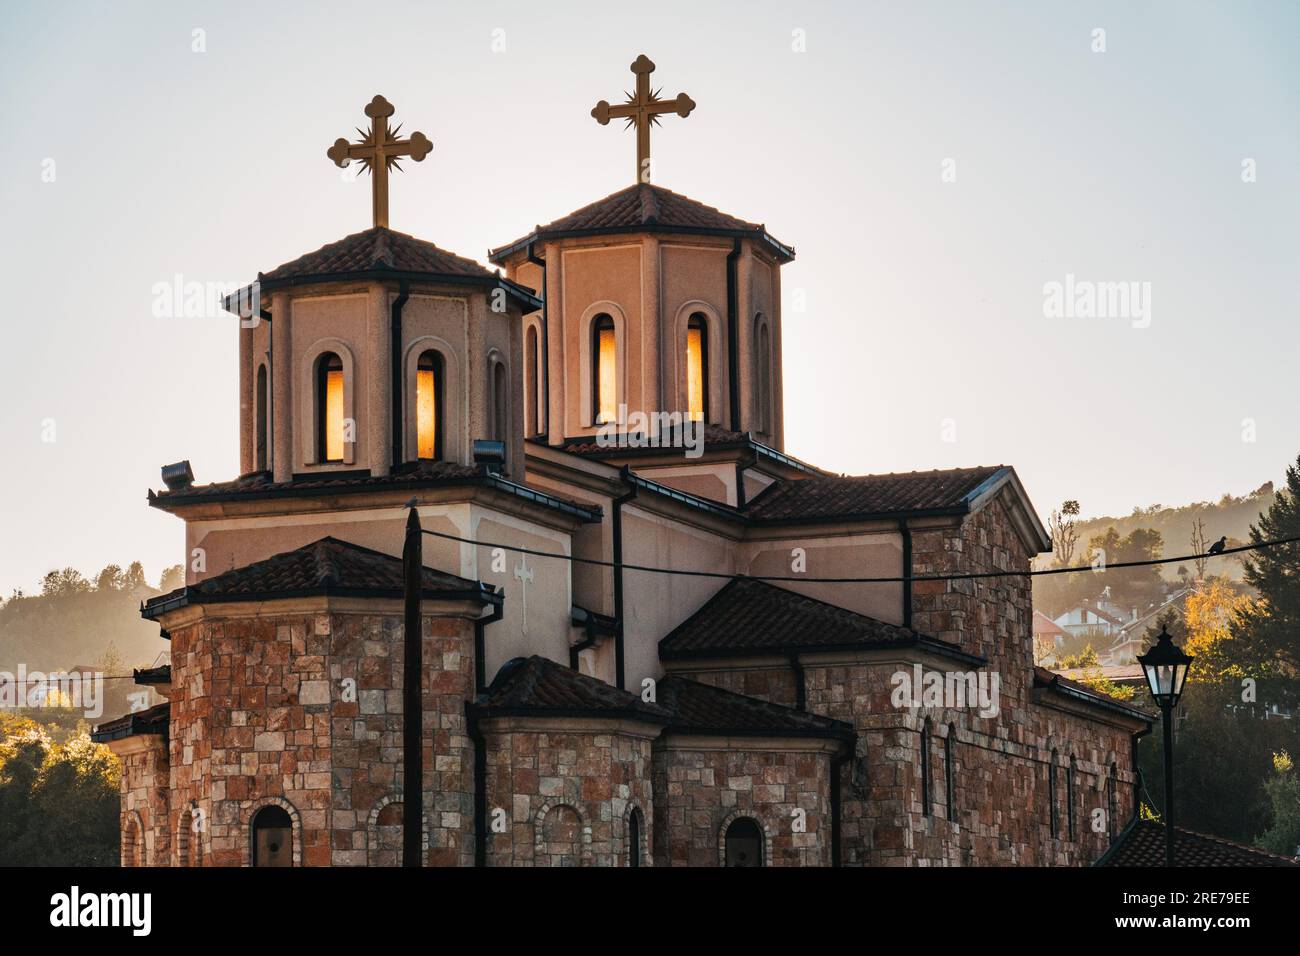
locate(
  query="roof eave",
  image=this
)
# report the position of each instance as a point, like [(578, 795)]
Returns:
[(783, 252)]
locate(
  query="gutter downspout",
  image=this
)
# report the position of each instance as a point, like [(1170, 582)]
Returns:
[(395, 352), (733, 339), (837, 764), (270, 400), (800, 689), (617, 507), (546, 341), (906, 533), (476, 737)]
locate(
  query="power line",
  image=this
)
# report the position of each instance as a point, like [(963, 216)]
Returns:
[(962, 576)]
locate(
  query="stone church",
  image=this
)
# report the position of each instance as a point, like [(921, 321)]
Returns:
[(573, 429)]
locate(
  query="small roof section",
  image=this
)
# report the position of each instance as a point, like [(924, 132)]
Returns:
[(644, 207), (748, 617), (847, 497), (155, 720), (1142, 843), (1044, 625), (538, 686), (325, 567), (704, 709), (1051, 681), (383, 253)]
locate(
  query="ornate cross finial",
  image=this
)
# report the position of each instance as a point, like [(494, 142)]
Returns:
[(643, 108), (378, 150)]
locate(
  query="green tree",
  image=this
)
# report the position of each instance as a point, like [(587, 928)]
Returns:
[(1266, 642), (1283, 792)]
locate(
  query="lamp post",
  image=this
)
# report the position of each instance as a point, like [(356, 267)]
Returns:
[(1165, 667)]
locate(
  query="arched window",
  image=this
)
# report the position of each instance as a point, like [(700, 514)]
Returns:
[(500, 402), (272, 837), (259, 424), (1054, 812), (744, 843), (561, 843), (635, 824), (329, 408), (428, 405), (1112, 800), (763, 378), (1069, 799), (949, 772), (697, 368), (925, 768), (532, 380), (604, 370)]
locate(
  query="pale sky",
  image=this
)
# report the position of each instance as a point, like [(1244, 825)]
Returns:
[(923, 314)]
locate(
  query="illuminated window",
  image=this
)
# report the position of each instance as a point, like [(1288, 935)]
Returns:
[(697, 369), (604, 368), (329, 408), (428, 406), (259, 412)]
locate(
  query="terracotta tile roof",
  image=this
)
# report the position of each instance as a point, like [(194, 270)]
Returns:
[(541, 687), (155, 720), (411, 475), (819, 499), (701, 708), (327, 566), (1050, 680), (378, 251), (1143, 844), (645, 207), (747, 616), (378, 248), (714, 435), (1045, 625)]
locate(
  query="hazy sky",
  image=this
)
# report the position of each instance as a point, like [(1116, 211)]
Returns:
[(923, 341)]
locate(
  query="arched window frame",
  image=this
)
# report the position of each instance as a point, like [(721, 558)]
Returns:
[(588, 358), (1112, 800), (949, 772), (295, 821), (635, 837), (764, 832), (1069, 797), (262, 419), (926, 805), (327, 364), (309, 406), (1054, 810), (452, 420), (763, 374), (498, 397), (715, 355), (533, 397), (432, 360)]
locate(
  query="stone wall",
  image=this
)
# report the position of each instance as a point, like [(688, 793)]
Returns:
[(146, 839), (563, 790), (701, 788), (304, 711)]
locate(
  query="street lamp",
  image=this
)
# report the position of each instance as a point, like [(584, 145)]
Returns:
[(1165, 667)]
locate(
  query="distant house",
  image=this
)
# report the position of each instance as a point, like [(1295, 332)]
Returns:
[(1048, 637), (1091, 619)]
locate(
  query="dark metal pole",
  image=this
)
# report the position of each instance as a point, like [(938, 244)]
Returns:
[(412, 704), (1167, 716)]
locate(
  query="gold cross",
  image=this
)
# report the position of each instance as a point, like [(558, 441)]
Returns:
[(642, 109), (378, 150)]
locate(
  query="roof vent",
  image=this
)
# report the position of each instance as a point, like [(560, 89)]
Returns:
[(489, 455), (178, 476)]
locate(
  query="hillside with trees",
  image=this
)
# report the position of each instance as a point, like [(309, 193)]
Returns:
[(78, 620)]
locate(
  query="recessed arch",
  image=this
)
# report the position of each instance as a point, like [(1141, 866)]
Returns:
[(632, 839), (557, 838), (763, 831), (295, 829), (715, 357), (451, 419), (587, 357), (133, 841), (308, 402)]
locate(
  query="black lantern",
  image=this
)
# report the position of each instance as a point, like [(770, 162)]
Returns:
[(1165, 667)]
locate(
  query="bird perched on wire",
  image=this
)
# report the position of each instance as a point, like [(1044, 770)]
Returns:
[(1218, 546)]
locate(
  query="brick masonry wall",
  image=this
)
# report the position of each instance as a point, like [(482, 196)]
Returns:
[(146, 835), (261, 714), (700, 792), (565, 795)]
